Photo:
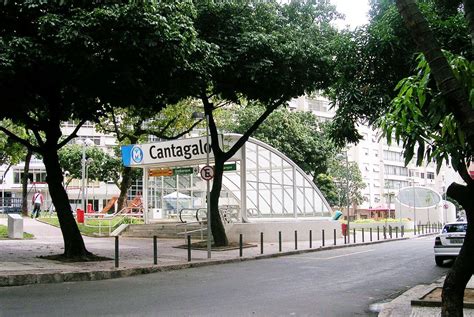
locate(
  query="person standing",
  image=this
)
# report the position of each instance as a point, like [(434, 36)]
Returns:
[(37, 202)]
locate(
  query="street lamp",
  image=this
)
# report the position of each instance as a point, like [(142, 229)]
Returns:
[(414, 202), (85, 142), (340, 156)]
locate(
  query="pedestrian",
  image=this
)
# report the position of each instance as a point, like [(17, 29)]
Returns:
[(37, 202)]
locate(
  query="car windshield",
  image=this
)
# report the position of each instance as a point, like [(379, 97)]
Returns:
[(457, 227)]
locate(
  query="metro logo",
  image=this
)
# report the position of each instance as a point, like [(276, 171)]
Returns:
[(137, 154)]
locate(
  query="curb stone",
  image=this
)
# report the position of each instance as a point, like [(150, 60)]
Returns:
[(95, 275)]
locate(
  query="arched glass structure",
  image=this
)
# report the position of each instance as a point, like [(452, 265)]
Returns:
[(419, 197), (261, 183)]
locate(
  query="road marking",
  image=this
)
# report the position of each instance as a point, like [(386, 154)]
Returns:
[(347, 254)]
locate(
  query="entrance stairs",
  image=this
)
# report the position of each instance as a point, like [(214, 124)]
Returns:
[(165, 230)]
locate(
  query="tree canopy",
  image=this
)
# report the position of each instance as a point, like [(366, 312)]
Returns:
[(78, 60)]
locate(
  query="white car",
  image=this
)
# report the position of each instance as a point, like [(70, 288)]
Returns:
[(448, 243)]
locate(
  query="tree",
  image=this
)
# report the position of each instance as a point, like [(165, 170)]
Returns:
[(349, 182), (265, 52), (384, 54), (132, 126), (298, 135), (438, 101), (77, 61)]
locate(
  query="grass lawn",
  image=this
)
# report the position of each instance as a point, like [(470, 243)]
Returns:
[(4, 233), (94, 228)]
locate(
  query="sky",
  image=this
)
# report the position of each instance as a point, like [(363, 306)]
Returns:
[(354, 10)]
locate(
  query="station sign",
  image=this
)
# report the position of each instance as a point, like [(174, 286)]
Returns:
[(190, 149), (230, 167), (171, 171)]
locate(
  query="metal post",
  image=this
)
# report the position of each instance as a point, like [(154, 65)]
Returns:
[(384, 232), (296, 240), (189, 248), (83, 184), (370, 234), (354, 232), (324, 239), (116, 251), (396, 232), (241, 245), (279, 241), (402, 231), (261, 242), (334, 236), (310, 239), (345, 238), (363, 239), (209, 231), (378, 233), (155, 251)]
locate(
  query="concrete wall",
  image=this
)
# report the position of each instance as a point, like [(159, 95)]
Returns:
[(270, 229)]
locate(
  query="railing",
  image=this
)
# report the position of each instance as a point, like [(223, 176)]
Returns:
[(186, 232), (109, 221), (10, 205)]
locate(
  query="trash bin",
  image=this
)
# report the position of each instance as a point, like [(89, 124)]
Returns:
[(80, 215), (344, 229)]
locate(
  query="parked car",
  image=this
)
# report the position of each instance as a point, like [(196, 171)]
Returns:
[(448, 243)]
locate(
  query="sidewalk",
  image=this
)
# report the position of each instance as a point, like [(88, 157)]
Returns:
[(20, 265)]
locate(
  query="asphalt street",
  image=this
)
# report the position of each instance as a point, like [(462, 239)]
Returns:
[(342, 282)]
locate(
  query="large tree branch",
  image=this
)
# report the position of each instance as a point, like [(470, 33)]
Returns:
[(161, 135), (72, 135), (456, 97), (23, 142), (469, 14), (240, 142)]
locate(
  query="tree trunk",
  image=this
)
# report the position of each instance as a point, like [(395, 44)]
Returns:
[(457, 99), (73, 243), (217, 226), (124, 186), (462, 270), (24, 183)]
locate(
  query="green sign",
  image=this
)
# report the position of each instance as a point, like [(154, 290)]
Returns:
[(230, 167), (183, 170)]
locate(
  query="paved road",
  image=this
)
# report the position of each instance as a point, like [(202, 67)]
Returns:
[(341, 282)]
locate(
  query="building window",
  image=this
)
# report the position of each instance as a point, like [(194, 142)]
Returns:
[(396, 170), (34, 176), (393, 156), (430, 175)]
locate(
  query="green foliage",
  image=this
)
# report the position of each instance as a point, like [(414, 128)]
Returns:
[(100, 165), (4, 233), (421, 120), (371, 60), (11, 152), (348, 180), (298, 135), (328, 188)]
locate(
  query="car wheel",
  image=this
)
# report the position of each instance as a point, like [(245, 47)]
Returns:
[(439, 260)]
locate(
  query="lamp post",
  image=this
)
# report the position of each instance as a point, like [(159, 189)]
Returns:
[(85, 142), (414, 201)]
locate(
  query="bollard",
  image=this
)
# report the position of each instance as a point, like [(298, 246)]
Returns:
[(261, 242), (384, 232), (279, 241), (155, 251), (241, 240), (363, 239), (116, 251), (189, 248), (296, 240), (390, 231), (323, 238), (310, 239), (334, 236), (354, 233), (345, 240), (378, 233), (396, 232), (402, 231), (370, 234), (414, 229)]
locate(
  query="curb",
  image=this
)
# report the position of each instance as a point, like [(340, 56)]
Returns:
[(96, 275)]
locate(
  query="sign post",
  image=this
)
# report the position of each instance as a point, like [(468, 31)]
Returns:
[(208, 205)]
